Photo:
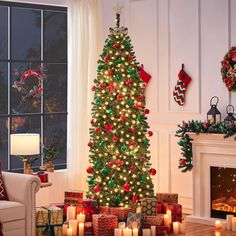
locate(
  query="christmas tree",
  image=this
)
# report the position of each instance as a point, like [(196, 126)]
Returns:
[(120, 171)]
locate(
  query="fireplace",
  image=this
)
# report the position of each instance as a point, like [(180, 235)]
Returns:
[(223, 191)]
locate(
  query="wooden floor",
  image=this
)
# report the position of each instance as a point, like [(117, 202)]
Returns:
[(193, 229)]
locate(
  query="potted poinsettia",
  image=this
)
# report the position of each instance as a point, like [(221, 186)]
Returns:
[(49, 155)]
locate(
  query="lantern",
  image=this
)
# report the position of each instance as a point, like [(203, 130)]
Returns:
[(230, 115), (214, 115)]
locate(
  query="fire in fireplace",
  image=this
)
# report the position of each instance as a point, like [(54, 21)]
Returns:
[(223, 191)]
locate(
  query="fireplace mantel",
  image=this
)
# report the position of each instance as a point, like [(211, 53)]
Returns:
[(208, 150)]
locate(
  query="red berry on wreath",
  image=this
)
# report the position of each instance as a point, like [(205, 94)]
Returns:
[(115, 45), (132, 168), (115, 139), (183, 162), (152, 171), (127, 187), (97, 130), (150, 133), (123, 117), (135, 198), (97, 189), (90, 170), (119, 96), (206, 124), (146, 111), (111, 163)]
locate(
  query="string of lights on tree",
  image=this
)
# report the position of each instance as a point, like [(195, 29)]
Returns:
[(120, 172)]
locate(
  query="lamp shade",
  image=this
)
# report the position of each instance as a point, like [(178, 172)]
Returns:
[(25, 144)]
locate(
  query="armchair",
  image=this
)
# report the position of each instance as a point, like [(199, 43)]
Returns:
[(18, 214)]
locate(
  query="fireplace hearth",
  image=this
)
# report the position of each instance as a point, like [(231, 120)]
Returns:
[(223, 191)]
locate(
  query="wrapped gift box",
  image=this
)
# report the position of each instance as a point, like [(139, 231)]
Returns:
[(88, 228), (121, 212), (134, 220), (167, 197), (149, 206), (162, 230), (61, 206), (104, 225), (73, 196), (104, 210), (88, 207), (157, 220), (176, 211), (49, 221)]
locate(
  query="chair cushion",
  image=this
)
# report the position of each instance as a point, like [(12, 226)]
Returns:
[(10, 211), (3, 193)]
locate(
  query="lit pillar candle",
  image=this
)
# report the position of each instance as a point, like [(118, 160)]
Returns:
[(234, 224), (81, 229), (127, 232), (118, 232), (229, 221), (73, 224), (146, 232), (182, 228), (121, 225), (69, 232), (217, 224), (217, 233), (81, 218), (176, 227), (166, 220), (70, 213), (153, 230), (135, 232), (224, 225), (64, 229), (169, 213)]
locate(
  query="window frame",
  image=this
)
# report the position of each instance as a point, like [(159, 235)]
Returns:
[(10, 61)]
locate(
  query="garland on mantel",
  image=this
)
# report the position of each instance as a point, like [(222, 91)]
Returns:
[(197, 127)]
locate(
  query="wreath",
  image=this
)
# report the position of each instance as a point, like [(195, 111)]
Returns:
[(228, 69), (27, 91)]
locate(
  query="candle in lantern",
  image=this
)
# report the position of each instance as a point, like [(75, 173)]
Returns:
[(176, 227), (135, 232), (118, 232), (229, 221), (166, 220), (234, 224), (127, 232), (81, 229), (64, 229), (217, 224), (81, 218), (169, 213), (153, 230), (69, 232), (70, 213), (121, 225), (73, 224), (146, 232)]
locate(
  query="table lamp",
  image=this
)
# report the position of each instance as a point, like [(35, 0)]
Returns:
[(25, 144)]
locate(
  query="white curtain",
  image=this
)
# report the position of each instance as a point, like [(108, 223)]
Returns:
[(84, 46)]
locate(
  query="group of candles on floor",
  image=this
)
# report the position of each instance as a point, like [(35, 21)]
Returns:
[(229, 225)]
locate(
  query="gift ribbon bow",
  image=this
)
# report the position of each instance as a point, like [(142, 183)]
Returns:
[(89, 207)]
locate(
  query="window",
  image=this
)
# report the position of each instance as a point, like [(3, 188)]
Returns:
[(32, 35)]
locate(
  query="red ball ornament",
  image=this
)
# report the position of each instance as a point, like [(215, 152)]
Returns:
[(128, 82), (129, 57), (127, 187), (123, 117), (115, 45), (115, 139), (92, 121), (93, 88), (111, 87), (146, 111), (93, 197), (90, 144), (109, 72), (183, 162), (97, 189), (140, 97), (108, 128), (132, 130), (138, 105), (119, 162), (132, 143), (150, 133), (119, 96), (152, 171), (90, 170), (111, 163), (132, 168), (106, 58), (101, 86), (135, 198), (206, 124), (97, 130)]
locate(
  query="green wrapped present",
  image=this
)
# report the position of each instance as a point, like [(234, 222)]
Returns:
[(149, 206), (49, 221)]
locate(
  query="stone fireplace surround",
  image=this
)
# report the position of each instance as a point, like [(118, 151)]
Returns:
[(208, 150)]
